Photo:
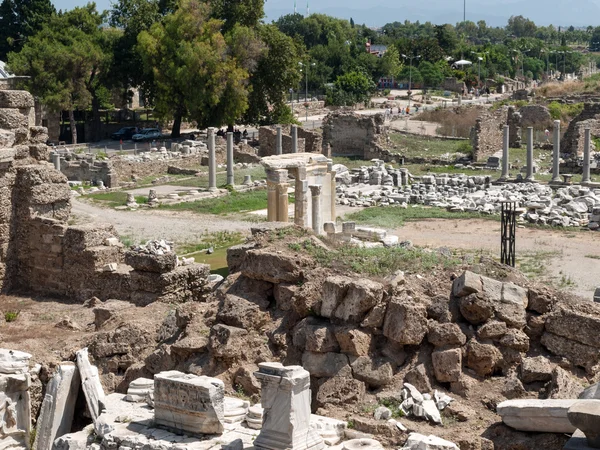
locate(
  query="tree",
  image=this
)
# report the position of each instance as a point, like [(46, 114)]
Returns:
[(351, 88), (390, 64), (595, 40), (446, 37), (19, 20), (247, 13), (520, 26), (410, 75), (198, 72), (66, 61), (351, 22), (431, 74)]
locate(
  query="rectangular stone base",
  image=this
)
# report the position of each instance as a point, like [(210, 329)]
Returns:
[(280, 441)]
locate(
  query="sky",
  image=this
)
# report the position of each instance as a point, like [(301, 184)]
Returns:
[(379, 12)]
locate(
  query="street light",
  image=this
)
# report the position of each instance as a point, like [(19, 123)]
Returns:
[(306, 85), (410, 58)]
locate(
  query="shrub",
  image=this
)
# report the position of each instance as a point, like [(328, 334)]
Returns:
[(11, 316)]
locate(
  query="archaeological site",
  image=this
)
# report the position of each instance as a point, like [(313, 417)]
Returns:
[(354, 285)]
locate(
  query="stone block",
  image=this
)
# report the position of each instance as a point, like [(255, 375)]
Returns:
[(447, 365), (145, 262), (326, 364), (7, 138), (274, 267), (419, 378), (563, 385), (492, 330), (334, 290), (441, 334), (542, 416), (405, 322), (189, 403), (90, 383), (418, 441), (11, 118), (585, 415), (374, 372), (482, 358), (340, 391), (467, 283), (16, 99), (362, 295), (353, 341), (321, 339), (579, 354), (578, 322), (536, 369)]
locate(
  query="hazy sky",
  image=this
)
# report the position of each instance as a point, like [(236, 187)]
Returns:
[(380, 12)]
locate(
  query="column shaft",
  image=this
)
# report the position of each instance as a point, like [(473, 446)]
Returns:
[(587, 143), (294, 139), (278, 144), (230, 178), (282, 202), (505, 156), (556, 152), (212, 161), (529, 155)]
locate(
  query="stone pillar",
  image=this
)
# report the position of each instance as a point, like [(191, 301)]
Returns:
[(294, 139), (333, 193), (285, 397), (556, 153), (212, 161), (315, 190), (271, 201), (282, 202), (56, 161), (90, 384), (505, 140), (278, 144), (587, 143), (529, 176), (301, 194), (230, 178)]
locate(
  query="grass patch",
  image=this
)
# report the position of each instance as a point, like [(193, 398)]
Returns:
[(394, 216), (377, 261), (114, 199), (11, 316), (456, 121), (593, 256), (417, 146), (233, 203), (257, 173), (218, 239), (533, 264)]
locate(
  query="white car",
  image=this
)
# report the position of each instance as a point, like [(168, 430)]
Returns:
[(147, 134)]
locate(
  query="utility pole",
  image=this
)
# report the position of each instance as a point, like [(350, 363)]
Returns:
[(410, 58), (465, 11)]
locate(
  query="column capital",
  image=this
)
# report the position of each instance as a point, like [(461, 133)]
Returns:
[(315, 189)]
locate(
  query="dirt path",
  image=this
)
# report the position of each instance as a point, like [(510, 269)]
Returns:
[(156, 224), (565, 254)]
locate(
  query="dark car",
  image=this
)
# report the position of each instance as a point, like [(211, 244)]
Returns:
[(147, 134), (124, 133)]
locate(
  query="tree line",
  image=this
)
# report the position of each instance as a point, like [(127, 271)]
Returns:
[(217, 63)]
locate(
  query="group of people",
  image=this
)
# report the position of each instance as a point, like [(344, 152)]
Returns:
[(400, 111), (477, 92), (237, 134)]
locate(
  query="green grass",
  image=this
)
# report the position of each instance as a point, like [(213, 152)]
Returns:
[(257, 173), (113, 199), (217, 239), (11, 316), (394, 216), (235, 202), (534, 264), (417, 146), (376, 261)]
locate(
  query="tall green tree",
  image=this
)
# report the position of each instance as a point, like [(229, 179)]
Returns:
[(19, 20), (66, 61), (351, 88)]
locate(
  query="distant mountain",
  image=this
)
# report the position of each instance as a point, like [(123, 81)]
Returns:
[(494, 12)]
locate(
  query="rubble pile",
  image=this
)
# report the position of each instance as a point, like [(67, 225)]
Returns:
[(157, 247), (570, 206)]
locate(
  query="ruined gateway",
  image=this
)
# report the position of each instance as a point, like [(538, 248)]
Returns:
[(165, 353)]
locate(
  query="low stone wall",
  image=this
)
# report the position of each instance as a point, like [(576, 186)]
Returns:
[(127, 170), (267, 137), (350, 134), (486, 135), (572, 141)]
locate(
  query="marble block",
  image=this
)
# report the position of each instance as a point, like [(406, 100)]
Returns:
[(285, 398), (235, 410), (15, 399), (90, 383), (189, 403), (544, 416), (14, 361), (585, 415), (254, 417), (331, 430), (138, 389)]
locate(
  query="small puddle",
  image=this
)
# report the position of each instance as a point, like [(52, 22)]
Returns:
[(217, 260)]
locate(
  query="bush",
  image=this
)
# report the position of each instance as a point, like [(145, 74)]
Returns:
[(466, 148), (11, 316)]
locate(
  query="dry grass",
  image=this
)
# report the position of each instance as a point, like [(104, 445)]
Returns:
[(590, 85), (452, 121)]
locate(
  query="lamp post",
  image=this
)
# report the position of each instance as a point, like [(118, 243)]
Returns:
[(410, 58), (305, 68)]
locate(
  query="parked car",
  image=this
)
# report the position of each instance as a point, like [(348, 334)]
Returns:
[(124, 133), (147, 134)]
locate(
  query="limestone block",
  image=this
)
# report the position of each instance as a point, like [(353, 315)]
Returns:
[(405, 322), (516, 340), (353, 341), (332, 293), (373, 372), (321, 339), (151, 263), (7, 138), (273, 267), (582, 355), (11, 118), (492, 330), (227, 342), (90, 382), (563, 385), (418, 441), (326, 364), (340, 391), (419, 378), (58, 406), (591, 392), (447, 364), (482, 358), (331, 430), (441, 334), (75, 441), (585, 415), (579, 322), (544, 416), (189, 403), (536, 369), (138, 390), (14, 361), (7, 155), (362, 444), (476, 308), (16, 99), (38, 135), (285, 397), (362, 295), (467, 283)]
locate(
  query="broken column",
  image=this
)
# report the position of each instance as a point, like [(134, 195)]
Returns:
[(285, 397), (230, 179), (529, 176), (277, 196), (505, 141), (15, 400), (90, 383), (556, 153), (294, 139), (212, 161), (56, 160), (58, 407), (278, 144), (315, 191), (189, 403), (587, 143)]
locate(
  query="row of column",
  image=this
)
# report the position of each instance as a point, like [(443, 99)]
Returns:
[(555, 154), (212, 160), (279, 140)]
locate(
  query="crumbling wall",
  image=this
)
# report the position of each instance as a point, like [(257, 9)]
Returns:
[(267, 138), (513, 121), (573, 139), (126, 170), (486, 135), (351, 134), (536, 116), (452, 84), (89, 169)]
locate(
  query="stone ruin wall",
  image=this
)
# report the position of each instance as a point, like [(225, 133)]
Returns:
[(486, 135), (350, 134), (267, 138), (40, 252), (573, 140)]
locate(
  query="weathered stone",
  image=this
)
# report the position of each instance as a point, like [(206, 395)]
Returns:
[(541, 300), (238, 312), (284, 295), (419, 378), (585, 415), (536, 369), (447, 364), (189, 403), (405, 322), (441, 334), (139, 389), (334, 290), (353, 341), (326, 364), (16, 99), (592, 392), (340, 391), (273, 267), (467, 283), (476, 308), (516, 340), (11, 118), (361, 296), (579, 322), (244, 377), (375, 373), (90, 383), (227, 342), (513, 388), (544, 416), (14, 361), (321, 339), (482, 358), (382, 413), (418, 441), (492, 330), (582, 355), (151, 263), (563, 385)]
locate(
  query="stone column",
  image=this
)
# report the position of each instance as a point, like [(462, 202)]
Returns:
[(556, 153), (278, 144), (315, 190), (333, 193), (294, 139), (587, 143), (529, 176), (301, 194), (56, 160), (282, 202), (285, 397), (271, 201), (212, 161), (230, 178), (505, 141)]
